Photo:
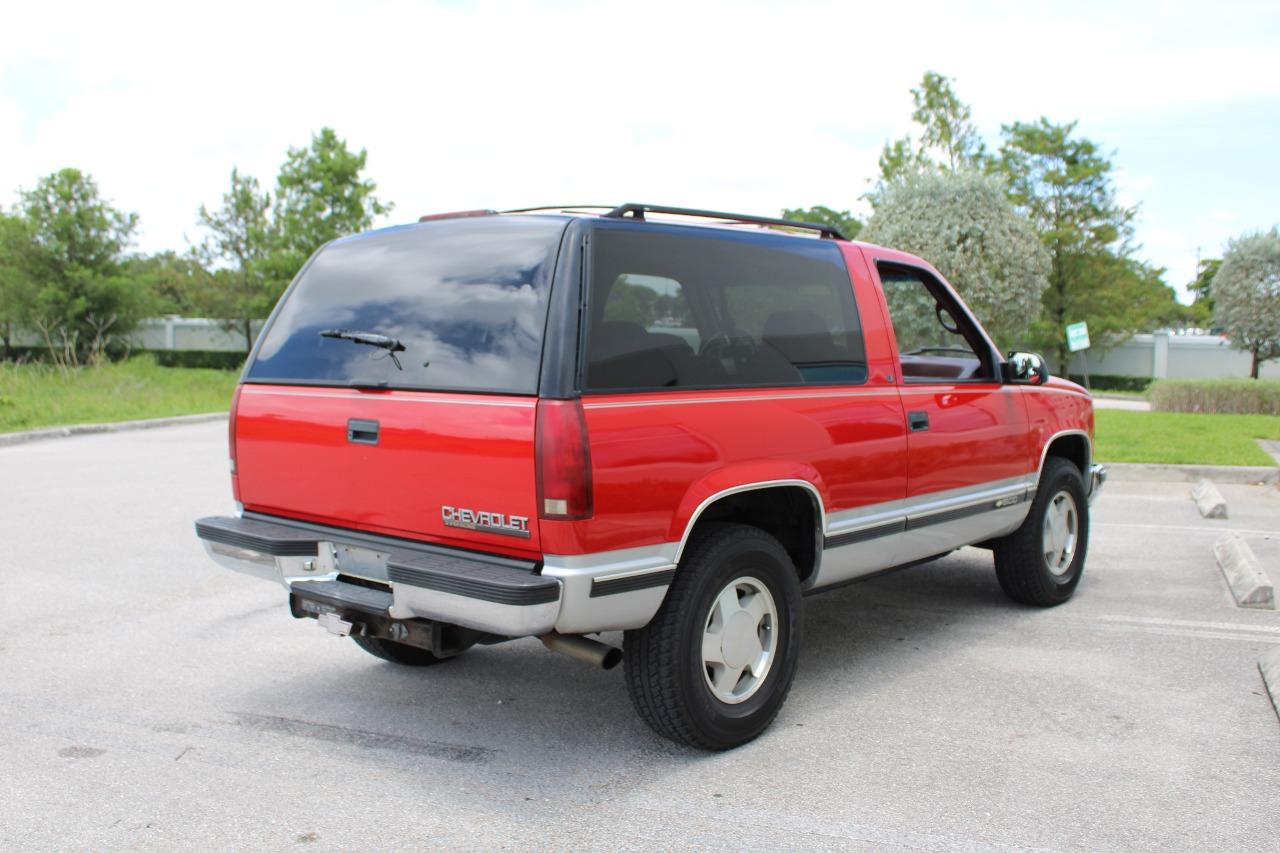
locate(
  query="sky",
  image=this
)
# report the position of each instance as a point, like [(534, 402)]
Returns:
[(745, 106)]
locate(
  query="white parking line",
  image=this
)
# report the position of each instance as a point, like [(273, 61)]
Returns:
[(1269, 634), (1189, 528)]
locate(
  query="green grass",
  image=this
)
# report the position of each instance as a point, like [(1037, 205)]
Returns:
[(40, 395), (1182, 438)]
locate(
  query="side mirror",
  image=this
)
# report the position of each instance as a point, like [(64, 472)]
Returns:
[(1026, 368)]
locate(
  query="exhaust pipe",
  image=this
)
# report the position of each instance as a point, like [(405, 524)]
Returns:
[(580, 648)]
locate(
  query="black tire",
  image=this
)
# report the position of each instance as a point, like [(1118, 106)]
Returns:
[(666, 676), (1021, 566), (395, 652)]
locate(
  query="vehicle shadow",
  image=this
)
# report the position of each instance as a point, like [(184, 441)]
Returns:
[(516, 705)]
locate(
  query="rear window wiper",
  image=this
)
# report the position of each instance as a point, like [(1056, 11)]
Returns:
[(373, 339)]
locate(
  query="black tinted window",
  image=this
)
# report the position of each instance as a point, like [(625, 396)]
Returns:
[(681, 307), (467, 298)]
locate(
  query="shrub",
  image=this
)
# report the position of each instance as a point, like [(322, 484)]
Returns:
[(216, 359), (1217, 396), (1104, 382)]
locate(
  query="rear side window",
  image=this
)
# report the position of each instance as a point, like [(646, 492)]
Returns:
[(466, 298), (681, 307)]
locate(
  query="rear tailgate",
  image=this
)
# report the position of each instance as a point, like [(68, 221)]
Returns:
[(395, 387), (402, 463)]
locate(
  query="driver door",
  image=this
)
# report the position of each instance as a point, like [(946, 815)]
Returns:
[(967, 439)]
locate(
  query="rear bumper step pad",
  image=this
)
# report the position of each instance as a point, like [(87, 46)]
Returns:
[(264, 537), (472, 579)]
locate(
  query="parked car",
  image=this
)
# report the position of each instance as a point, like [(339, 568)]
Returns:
[(665, 422)]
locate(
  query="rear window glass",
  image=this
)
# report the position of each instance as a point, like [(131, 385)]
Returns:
[(466, 298)]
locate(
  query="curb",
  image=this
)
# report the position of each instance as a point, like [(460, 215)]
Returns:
[(1249, 583), (1209, 500), (13, 438), (1140, 472), (1269, 666)]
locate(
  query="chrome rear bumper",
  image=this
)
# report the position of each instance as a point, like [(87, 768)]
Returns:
[(496, 595), (582, 594), (1097, 476)]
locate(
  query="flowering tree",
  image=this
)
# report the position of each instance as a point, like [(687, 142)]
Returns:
[(1246, 295), (964, 225)]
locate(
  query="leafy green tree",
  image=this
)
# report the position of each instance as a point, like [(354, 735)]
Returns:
[(320, 195), (1246, 294), (1064, 184), (948, 138), (15, 275), (80, 301), (963, 224), (241, 248), (842, 220), (177, 283)]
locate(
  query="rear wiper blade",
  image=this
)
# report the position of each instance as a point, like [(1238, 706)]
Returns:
[(373, 339)]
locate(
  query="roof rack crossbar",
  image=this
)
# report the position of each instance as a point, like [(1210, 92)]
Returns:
[(637, 211)]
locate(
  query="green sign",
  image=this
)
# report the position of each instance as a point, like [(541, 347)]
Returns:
[(1077, 337)]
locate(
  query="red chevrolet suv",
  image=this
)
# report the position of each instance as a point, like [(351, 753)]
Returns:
[(671, 423)]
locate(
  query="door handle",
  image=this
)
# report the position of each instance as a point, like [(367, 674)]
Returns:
[(362, 432), (918, 421)]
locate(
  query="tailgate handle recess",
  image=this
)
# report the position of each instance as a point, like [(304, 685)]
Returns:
[(362, 432)]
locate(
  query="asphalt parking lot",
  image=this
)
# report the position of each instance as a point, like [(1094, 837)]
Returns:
[(152, 700)]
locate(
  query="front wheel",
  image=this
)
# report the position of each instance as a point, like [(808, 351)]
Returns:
[(1042, 561), (714, 666)]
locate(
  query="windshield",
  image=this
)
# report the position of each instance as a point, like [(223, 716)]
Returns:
[(465, 298)]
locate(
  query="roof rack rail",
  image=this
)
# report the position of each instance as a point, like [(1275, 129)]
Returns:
[(457, 214), (637, 211), (560, 207)]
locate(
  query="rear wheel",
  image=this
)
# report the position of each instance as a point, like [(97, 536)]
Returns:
[(714, 666), (397, 652), (1042, 561)]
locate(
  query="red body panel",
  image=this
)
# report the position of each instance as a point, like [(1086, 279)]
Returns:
[(1057, 407), (462, 450), (657, 456)]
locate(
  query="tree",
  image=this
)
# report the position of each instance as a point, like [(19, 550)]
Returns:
[(80, 301), (842, 220), (240, 247), (15, 275), (1064, 184), (1246, 294), (177, 283), (964, 225), (949, 141), (320, 195)]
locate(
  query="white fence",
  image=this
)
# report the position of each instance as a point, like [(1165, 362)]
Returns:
[(190, 333), (1166, 355), (172, 333)]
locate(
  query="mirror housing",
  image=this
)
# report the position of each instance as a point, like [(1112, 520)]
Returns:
[(1025, 368)]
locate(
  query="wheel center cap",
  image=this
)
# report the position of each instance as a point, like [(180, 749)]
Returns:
[(739, 639)]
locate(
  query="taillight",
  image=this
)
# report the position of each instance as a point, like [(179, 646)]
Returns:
[(231, 441), (563, 461)]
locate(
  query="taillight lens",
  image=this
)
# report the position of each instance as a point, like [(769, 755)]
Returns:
[(563, 461), (231, 441)]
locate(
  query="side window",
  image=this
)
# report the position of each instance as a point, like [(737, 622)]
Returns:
[(935, 343), (675, 309)]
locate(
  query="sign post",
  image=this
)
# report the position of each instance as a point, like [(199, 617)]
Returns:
[(1078, 341)]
